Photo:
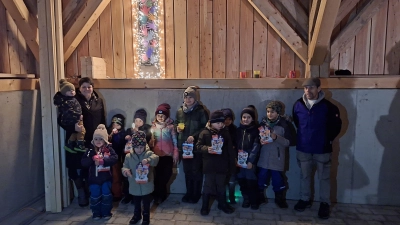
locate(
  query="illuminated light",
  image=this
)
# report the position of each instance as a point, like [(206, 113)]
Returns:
[(147, 41)]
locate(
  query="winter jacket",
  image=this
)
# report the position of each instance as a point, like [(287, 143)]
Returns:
[(165, 142), (317, 126), (247, 139), (232, 132), (213, 163), (109, 159), (194, 121), (118, 142), (69, 109), (273, 155), (131, 161)]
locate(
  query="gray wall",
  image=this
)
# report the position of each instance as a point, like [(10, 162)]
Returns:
[(365, 154), (21, 167)]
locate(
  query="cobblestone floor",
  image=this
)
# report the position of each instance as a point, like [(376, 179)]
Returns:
[(174, 212)]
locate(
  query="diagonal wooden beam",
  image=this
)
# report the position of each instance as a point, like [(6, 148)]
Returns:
[(312, 17), (27, 23), (277, 22), (351, 30), (345, 7), (82, 25), (323, 28)]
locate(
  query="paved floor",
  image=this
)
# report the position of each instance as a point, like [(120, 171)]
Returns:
[(173, 211)]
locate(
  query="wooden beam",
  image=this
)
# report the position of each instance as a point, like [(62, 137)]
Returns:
[(82, 25), (7, 75), (351, 30), (19, 84), (378, 82), (345, 8), (51, 70), (277, 22), (321, 37), (27, 23)]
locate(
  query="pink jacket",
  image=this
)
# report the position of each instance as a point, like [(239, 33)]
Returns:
[(164, 136)]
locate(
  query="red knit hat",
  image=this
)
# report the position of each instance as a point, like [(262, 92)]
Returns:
[(163, 109)]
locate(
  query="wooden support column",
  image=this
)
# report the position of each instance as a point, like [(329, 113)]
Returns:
[(51, 70)]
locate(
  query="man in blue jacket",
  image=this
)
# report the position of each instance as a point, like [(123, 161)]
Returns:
[(318, 123)]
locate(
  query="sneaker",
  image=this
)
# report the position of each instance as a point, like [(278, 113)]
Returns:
[(323, 211), (96, 217), (302, 205), (107, 217), (135, 220)]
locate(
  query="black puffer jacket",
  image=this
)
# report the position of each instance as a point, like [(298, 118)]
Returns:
[(248, 140), (69, 109)]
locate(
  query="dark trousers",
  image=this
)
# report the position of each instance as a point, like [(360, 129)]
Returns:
[(146, 199), (276, 177), (101, 199), (214, 184), (163, 173)]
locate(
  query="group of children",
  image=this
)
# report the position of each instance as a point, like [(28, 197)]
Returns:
[(145, 155)]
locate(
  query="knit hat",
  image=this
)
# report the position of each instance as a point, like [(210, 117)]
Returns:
[(190, 91), (217, 116), (163, 109), (314, 81), (141, 114), (138, 139), (66, 86), (101, 132), (118, 119), (228, 113), (276, 106), (250, 111)]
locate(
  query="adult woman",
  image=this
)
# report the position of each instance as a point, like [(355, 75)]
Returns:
[(93, 115)]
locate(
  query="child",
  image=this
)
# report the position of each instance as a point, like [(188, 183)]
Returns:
[(194, 118), (139, 120), (231, 178), (140, 188), (117, 139), (273, 152), (216, 166), (99, 159), (248, 142), (70, 113), (164, 145)]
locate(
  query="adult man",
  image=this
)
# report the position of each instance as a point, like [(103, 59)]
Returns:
[(318, 123)]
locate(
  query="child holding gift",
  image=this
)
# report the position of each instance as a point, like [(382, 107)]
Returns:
[(216, 165), (99, 159), (273, 152), (134, 163), (194, 118), (164, 144)]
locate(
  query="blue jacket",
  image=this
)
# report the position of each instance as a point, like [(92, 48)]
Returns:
[(317, 126)]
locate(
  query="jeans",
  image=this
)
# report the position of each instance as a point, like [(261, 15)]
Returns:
[(278, 182), (306, 161), (101, 199)]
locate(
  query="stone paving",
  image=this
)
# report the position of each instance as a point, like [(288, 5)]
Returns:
[(174, 212)]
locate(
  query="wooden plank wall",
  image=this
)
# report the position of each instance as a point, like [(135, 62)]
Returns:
[(15, 56), (212, 39)]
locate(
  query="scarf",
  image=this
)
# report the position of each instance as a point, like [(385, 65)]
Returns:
[(187, 109)]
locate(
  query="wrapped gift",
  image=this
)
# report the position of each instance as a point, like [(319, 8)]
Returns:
[(187, 151), (142, 172), (242, 158), (216, 143), (265, 134)]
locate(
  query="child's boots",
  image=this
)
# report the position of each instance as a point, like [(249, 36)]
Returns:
[(232, 199), (223, 205), (69, 147), (146, 218), (280, 200), (205, 210)]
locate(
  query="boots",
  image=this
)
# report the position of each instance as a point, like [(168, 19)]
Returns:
[(280, 200), (189, 191), (246, 201), (69, 147), (82, 198), (232, 199), (196, 191), (146, 218), (222, 205), (261, 197), (80, 146), (205, 207)]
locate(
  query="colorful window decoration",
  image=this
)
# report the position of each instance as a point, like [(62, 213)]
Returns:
[(147, 16)]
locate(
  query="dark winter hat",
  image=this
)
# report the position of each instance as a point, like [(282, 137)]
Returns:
[(217, 116), (276, 106), (163, 109), (138, 139), (190, 91), (66, 86), (228, 113), (101, 132), (314, 81), (141, 114), (118, 119), (250, 111)]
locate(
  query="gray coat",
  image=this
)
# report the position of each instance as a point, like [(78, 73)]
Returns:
[(273, 155)]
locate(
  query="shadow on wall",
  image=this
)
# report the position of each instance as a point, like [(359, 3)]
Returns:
[(344, 163), (387, 131)]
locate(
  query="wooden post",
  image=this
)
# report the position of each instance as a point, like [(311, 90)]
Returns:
[(51, 70)]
